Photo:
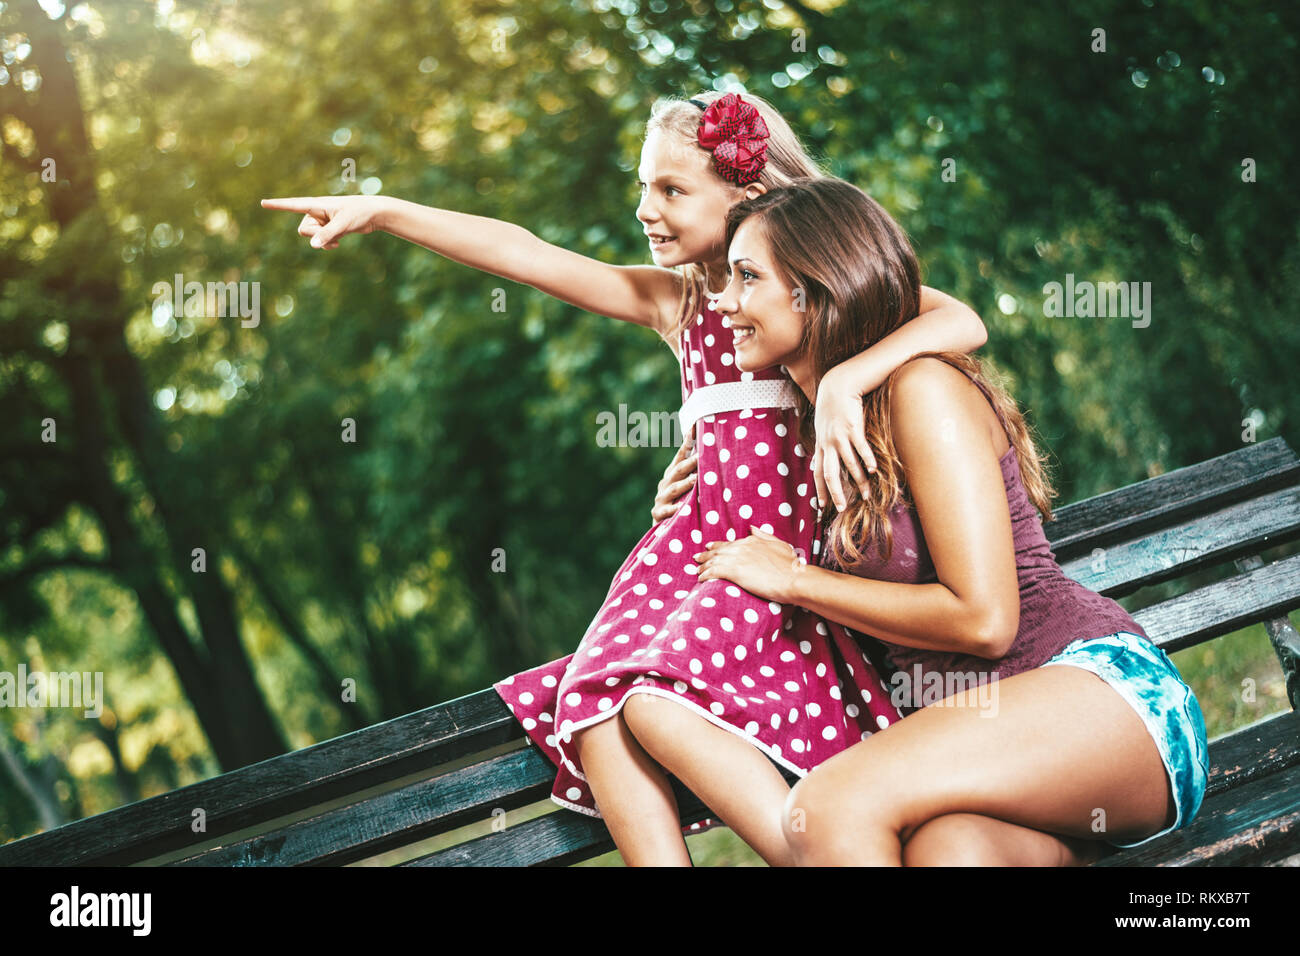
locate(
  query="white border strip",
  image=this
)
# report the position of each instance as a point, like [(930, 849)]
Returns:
[(732, 396)]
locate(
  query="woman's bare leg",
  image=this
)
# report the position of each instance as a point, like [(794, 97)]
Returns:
[(1058, 751), (731, 776), (633, 795), (968, 839)]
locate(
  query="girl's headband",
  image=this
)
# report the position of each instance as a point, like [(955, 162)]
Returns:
[(734, 132)]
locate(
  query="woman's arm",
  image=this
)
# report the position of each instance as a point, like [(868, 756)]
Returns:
[(946, 444), (644, 295), (942, 324)]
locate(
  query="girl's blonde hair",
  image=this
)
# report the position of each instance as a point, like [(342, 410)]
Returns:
[(787, 160), (861, 281)]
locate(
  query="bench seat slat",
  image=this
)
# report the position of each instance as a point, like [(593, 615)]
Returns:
[(1205, 486), (1224, 606), (285, 784), (400, 817), (1243, 528), (1258, 822)]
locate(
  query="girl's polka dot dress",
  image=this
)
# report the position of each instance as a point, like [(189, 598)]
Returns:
[(794, 685)]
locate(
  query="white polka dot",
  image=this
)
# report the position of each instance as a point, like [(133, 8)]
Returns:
[(679, 686), (745, 511), (696, 666), (739, 652), (604, 703), (573, 793), (718, 659), (651, 558), (751, 728), (675, 546), (574, 699), (787, 656), (851, 710), (793, 715), (761, 448), (529, 723), (785, 509), (727, 624), (767, 671), (525, 698), (711, 517), (548, 681), (828, 733), (717, 708), (866, 695), (702, 633), (776, 721), (764, 490), (797, 746), (782, 468), (751, 615), (806, 648), (679, 644), (742, 471), (598, 650), (724, 456), (709, 438), (726, 358), (710, 477), (791, 686)]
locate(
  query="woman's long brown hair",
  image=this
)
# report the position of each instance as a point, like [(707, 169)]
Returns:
[(860, 280)]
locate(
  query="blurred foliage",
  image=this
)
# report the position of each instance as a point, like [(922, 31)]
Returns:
[(372, 560)]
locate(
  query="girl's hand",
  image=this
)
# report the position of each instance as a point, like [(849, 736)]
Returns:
[(328, 218), (762, 564), (841, 439), (678, 478)]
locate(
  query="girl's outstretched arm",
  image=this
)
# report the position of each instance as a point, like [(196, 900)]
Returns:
[(942, 324), (644, 295)]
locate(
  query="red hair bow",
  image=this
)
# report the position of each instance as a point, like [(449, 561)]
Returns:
[(734, 132)]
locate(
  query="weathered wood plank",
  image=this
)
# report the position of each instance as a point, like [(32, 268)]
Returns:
[(289, 783), (1223, 607), (1243, 528), (1258, 822), (398, 818), (1205, 486)]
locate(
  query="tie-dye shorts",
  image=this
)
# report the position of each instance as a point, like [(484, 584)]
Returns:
[(1146, 678)]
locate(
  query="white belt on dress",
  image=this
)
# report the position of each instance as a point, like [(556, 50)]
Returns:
[(731, 396)]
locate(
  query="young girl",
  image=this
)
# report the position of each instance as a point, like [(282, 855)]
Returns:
[(1079, 728), (755, 676)]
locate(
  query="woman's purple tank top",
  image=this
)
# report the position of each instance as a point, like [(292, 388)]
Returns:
[(1054, 609)]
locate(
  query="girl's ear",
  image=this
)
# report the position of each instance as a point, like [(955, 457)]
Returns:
[(754, 190)]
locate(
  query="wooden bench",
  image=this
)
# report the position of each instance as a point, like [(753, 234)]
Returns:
[(467, 761)]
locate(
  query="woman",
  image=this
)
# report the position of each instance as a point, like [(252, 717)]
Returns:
[(1077, 728)]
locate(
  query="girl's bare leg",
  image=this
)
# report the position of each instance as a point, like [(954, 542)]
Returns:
[(633, 794), (732, 777), (1058, 751)]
